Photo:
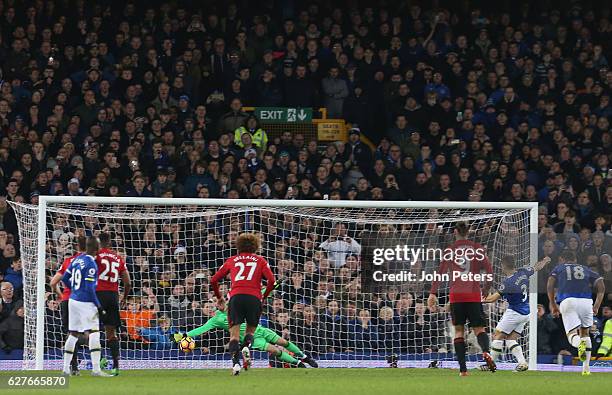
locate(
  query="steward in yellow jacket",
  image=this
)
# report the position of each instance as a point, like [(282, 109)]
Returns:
[(605, 348), (258, 135)]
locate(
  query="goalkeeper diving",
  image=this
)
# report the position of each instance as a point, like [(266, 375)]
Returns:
[(264, 339)]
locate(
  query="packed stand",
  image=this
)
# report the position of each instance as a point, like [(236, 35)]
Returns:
[(484, 105)]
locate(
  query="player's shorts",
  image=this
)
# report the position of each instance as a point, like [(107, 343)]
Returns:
[(109, 300), (576, 312), (82, 316), (262, 337), (64, 315), (512, 321), (244, 308), (464, 312)]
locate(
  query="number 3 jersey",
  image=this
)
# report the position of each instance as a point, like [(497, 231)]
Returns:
[(82, 277), (246, 272), (515, 289), (574, 281), (110, 267)]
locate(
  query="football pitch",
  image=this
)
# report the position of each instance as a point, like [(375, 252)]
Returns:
[(332, 381)]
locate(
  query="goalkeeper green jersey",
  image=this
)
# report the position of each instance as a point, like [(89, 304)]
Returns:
[(262, 337), (219, 321)]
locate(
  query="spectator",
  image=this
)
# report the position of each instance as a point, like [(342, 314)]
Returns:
[(388, 330), (137, 316), (251, 127), (138, 188), (339, 245), (335, 91), (11, 329), (365, 333), (546, 328), (335, 327), (9, 301), (14, 275), (233, 119), (310, 333), (159, 336)]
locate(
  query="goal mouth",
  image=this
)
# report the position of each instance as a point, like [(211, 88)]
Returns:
[(328, 304)]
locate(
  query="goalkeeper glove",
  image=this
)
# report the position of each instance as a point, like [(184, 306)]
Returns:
[(177, 337), (277, 285)]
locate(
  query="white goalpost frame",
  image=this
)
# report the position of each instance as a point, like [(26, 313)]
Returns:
[(45, 200)]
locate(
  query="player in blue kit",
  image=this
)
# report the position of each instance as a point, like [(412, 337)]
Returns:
[(515, 290), (573, 298), (84, 307)]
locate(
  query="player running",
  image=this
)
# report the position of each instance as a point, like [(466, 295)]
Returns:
[(84, 307), (573, 299), (111, 268), (515, 290), (246, 271), (465, 294), (64, 295), (264, 339)]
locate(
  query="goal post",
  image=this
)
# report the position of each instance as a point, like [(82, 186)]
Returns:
[(181, 242)]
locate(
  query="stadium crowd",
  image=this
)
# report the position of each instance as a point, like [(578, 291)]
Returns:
[(467, 101)]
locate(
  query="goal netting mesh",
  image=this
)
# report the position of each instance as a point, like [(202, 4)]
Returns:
[(172, 251)]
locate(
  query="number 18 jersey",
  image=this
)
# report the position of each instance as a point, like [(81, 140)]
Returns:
[(110, 267), (574, 281)]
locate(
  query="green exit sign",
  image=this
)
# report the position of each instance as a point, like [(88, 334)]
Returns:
[(283, 114)]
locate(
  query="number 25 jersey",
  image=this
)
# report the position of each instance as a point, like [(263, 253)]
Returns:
[(110, 267)]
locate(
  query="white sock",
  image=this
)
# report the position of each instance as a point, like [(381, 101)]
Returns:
[(574, 339), (589, 345), (69, 348), (95, 351), (497, 349), (516, 350)]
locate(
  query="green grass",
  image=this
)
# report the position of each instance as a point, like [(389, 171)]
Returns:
[(332, 381)]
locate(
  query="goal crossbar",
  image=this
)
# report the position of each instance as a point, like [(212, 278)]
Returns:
[(289, 203)]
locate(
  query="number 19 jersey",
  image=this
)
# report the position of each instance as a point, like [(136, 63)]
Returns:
[(110, 267), (81, 276)]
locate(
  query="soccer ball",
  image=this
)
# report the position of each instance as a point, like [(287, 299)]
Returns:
[(187, 344)]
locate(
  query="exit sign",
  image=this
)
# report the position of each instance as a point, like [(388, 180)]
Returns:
[(283, 114)]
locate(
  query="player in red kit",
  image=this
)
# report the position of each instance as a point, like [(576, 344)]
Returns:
[(465, 273), (111, 269), (64, 295), (246, 270)]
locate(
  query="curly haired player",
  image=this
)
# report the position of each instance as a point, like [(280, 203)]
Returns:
[(246, 271)]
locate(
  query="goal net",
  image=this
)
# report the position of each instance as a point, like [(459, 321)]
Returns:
[(329, 301)]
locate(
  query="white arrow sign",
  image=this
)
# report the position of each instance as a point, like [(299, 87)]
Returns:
[(302, 115)]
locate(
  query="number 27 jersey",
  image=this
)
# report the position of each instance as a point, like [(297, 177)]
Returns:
[(246, 272), (110, 267)]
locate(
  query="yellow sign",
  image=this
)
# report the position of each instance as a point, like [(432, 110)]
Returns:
[(328, 130)]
